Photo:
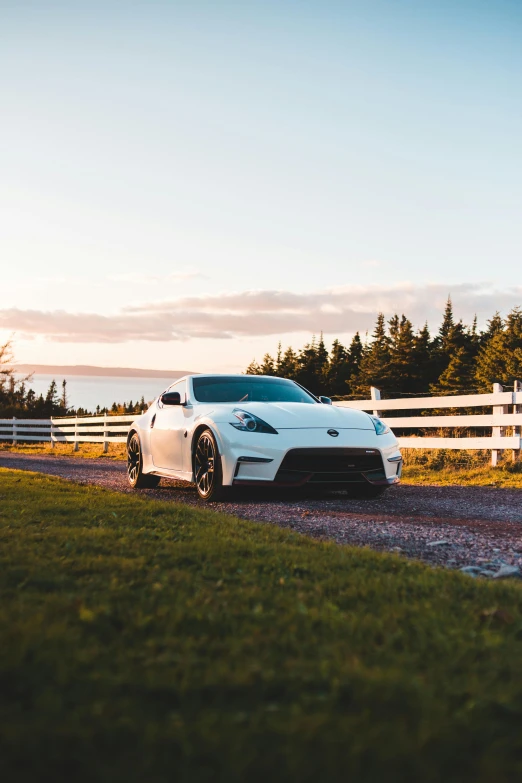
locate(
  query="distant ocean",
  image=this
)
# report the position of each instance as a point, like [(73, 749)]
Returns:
[(88, 391)]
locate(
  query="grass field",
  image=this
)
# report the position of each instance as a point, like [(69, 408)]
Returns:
[(86, 450), (143, 641), (484, 476), (445, 467)]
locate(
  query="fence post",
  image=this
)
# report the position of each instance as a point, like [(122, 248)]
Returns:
[(76, 434), (52, 436), (14, 430), (105, 434), (375, 394), (517, 387), (497, 431)]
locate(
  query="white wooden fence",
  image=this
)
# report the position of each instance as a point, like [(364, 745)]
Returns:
[(506, 414), (506, 407), (84, 429)]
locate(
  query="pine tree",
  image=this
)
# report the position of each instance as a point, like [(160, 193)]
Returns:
[(374, 366), (268, 366), (253, 368), (441, 355), (64, 402), (458, 376), (279, 357), (500, 357), (52, 400), (401, 369), (312, 366), (339, 369), (495, 325), (423, 373), (287, 365), (448, 322), (355, 354)]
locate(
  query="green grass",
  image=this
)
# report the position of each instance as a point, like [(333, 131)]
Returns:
[(444, 467), (117, 451), (464, 477), (146, 642)]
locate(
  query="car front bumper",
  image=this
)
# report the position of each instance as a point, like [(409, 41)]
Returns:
[(296, 457)]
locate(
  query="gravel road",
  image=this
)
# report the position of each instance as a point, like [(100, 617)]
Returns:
[(475, 528)]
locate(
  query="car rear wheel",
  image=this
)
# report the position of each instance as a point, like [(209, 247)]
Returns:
[(207, 468), (137, 478)]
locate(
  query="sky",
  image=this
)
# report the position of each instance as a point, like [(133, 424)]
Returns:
[(184, 184)]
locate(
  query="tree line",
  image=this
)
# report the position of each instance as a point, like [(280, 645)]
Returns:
[(402, 361), (18, 399)]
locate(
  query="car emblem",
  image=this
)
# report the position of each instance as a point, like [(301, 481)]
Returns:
[(333, 433)]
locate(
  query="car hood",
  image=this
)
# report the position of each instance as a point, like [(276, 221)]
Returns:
[(297, 415)]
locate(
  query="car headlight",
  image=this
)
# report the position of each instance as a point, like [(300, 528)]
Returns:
[(247, 422), (380, 427)]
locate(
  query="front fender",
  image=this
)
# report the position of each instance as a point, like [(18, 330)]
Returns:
[(207, 423), (141, 425)]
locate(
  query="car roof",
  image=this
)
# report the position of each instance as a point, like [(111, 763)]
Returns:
[(227, 375)]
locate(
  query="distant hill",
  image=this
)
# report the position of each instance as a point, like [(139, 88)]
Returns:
[(88, 369)]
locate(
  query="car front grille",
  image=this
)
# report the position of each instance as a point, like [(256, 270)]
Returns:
[(331, 466)]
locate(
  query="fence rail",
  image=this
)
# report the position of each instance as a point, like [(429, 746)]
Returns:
[(506, 414), (84, 429)]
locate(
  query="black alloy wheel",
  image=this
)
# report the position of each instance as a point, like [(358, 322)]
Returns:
[(137, 478), (207, 468)]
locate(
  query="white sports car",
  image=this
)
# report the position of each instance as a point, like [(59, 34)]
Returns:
[(219, 431)]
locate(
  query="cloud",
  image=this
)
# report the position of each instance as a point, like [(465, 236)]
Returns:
[(336, 311), (148, 279)]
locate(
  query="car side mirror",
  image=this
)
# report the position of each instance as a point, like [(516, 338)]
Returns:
[(325, 400), (171, 398)]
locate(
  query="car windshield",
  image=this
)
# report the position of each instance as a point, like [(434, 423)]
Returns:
[(249, 389)]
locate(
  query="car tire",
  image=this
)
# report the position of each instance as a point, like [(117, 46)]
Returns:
[(137, 478), (208, 472)]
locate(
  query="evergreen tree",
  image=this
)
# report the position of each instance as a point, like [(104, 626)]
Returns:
[(375, 362), (312, 366), (423, 371), (401, 368), (64, 402), (253, 368), (495, 325), (448, 321), (441, 357), (458, 376), (52, 400), (355, 354), (451, 337), (279, 357), (287, 364), (268, 366), (500, 357), (339, 369)]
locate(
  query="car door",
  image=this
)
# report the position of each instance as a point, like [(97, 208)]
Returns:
[(167, 432)]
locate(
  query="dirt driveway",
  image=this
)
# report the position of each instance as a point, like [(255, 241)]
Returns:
[(477, 527)]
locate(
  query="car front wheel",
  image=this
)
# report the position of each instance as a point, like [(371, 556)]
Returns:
[(207, 468), (137, 478)]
